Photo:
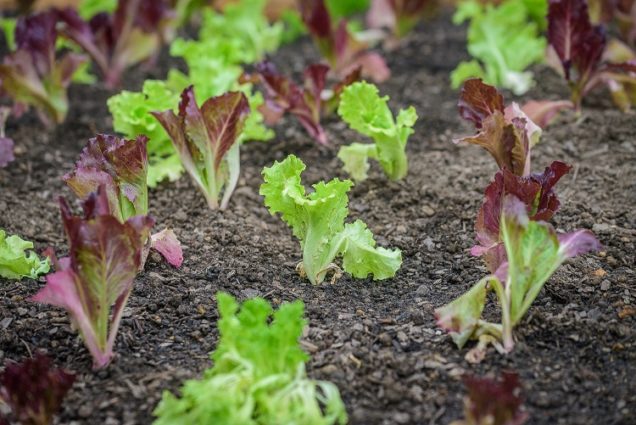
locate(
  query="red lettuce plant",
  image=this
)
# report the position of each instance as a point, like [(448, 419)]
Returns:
[(307, 103), (582, 55), (508, 135), (104, 258), (493, 402), (207, 141), (121, 167), (132, 34), (32, 75), (6, 144), (534, 251), (34, 389), (338, 45), (399, 16)]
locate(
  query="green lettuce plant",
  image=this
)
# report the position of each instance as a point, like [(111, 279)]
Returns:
[(16, 259), (366, 112), (504, 40), (534, 251), (318, 220), (258, 376)]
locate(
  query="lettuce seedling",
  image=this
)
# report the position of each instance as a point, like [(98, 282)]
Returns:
[(6, 143), (507, 134), (343, 50), (121, 167), (104, 258), (584, 57), (34, 389), (398, 16), (493, 402), (207, 141), (367, 113), (534, 251), (504, 42), (318, 219), (307, 103), (32, 76), (16, 262), (258, 376), (131, 34)]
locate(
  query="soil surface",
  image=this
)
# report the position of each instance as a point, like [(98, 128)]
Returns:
[(576, 348)]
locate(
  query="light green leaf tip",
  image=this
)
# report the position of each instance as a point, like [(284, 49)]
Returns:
[(366, 112), (16, 262)]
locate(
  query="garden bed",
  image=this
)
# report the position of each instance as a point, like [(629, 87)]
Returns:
[(377, 341)]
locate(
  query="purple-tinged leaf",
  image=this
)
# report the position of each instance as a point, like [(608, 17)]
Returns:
[(533, 251), (578, 44), (167, 244), (34, 389), (32, 75), (398, 16), (6, 144), (493, 402), (207, 141), (104, 258), (306, 103), (543, 112), (342, 50), (537, 194), (121, 166), (132, 34), (577, 243), (508, 134), (479, 101), (6, 151)]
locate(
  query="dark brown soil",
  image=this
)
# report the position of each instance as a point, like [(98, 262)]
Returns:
[(376, 340)]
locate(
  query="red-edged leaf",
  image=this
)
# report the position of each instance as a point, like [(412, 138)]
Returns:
[(504, 141), (316, 17), (225, 117), (121, 166), (478, 101), (494, 402), (578, 44), (104, 258), (32, 75), (34, 389), (204, 136), (537, 194), (133, 33), (307, 104)]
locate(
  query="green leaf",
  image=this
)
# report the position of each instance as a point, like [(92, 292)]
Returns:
[(89, 8), (356, 159), (465, 71), (366, 112), (258, 376), (245, 23), (361, 257), (505, 40), (461, 318), (16, 262), (317, 220), (132, 116), (8, 28)]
